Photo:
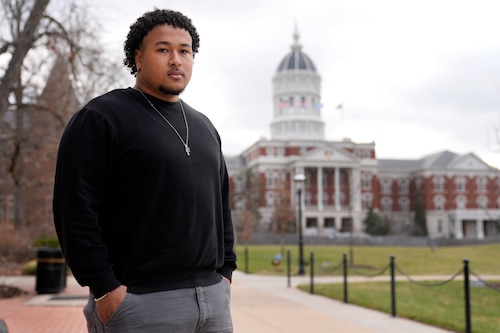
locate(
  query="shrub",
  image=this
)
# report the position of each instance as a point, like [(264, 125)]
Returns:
[(46, 241)]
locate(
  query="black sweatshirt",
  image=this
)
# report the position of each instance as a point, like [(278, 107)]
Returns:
[(131, 208)]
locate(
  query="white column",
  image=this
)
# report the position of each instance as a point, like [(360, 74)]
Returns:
[(458, 227), (337, 189), (320, 188), (480, 229), (356, 189)]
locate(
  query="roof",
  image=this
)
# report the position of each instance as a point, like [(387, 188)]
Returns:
[(441, 160), (296, 59)]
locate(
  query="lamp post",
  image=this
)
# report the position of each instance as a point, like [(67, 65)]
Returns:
[(299, 179)]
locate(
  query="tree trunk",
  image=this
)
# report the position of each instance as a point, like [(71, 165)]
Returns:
[(23, 45)]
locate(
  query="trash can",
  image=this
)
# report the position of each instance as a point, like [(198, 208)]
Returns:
[(51, 271)]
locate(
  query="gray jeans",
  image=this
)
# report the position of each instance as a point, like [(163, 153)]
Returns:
[(194, 310)]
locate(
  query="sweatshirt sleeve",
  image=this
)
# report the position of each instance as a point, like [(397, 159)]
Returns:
[(229, 255), (83, 173)]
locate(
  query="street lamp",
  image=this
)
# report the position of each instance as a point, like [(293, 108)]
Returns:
[(299, 179)]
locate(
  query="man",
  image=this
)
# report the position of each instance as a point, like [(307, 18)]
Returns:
[(141, 200)]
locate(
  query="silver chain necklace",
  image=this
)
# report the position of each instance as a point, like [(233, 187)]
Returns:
[(185, 143)]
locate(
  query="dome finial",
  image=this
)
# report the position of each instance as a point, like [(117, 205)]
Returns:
[(296, 45), (296, 33)]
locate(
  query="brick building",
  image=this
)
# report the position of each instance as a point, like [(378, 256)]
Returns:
[(461, 193)]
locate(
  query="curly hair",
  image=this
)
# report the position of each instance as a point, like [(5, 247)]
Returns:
[(146, 23)]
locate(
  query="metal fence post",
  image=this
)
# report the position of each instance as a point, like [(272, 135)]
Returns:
[(288, 268), (393, 288), (311, 289), (467, 296), (344, 262), (246, 259)]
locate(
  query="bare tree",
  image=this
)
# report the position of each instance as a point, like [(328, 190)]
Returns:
[(35, 101), (23, 37), (247, 218), (284, 214)]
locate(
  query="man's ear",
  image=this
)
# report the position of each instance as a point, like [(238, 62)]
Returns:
[(138, 59)]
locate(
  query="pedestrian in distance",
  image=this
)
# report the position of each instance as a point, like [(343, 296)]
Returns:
[(141, 198)]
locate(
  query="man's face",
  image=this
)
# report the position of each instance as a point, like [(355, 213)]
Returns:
[(164, 62)]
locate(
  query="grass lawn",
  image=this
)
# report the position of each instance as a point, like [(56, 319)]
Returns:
[(441, 306), (483, 259)]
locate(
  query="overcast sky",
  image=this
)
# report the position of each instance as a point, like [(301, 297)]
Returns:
[(415, 77)]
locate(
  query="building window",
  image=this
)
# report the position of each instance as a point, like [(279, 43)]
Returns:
[(460, 184), (404, 205), (279, 178), (367, 181), (311, 222), (439, 203), (461, 202), (482, 202), (438, 184), (269, 179), (404, 186), (329, 222), (281, 151), (386, 186), (239, 184), (270, 200), (481, 184), (440, 226), (367, 200), (386, 205)]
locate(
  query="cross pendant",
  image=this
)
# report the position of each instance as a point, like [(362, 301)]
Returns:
[(188, 150)]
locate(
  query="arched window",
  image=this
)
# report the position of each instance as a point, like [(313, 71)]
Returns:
[(439, 203), (460, 184), (367, 181), (404, 205), (270, 200), (404, 187), (461, 202), (481, 184), (386, 186), (482, 202), (386, 204), (438, 184), (367, 200)]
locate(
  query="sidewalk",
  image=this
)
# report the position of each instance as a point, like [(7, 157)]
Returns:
[(260, 304)]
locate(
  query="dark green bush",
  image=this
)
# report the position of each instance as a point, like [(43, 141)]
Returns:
[(46, 241)]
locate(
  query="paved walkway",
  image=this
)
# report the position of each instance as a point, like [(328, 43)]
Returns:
[(260, 304)]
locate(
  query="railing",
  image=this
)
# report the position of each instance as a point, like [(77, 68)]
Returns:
[(393, 267)]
